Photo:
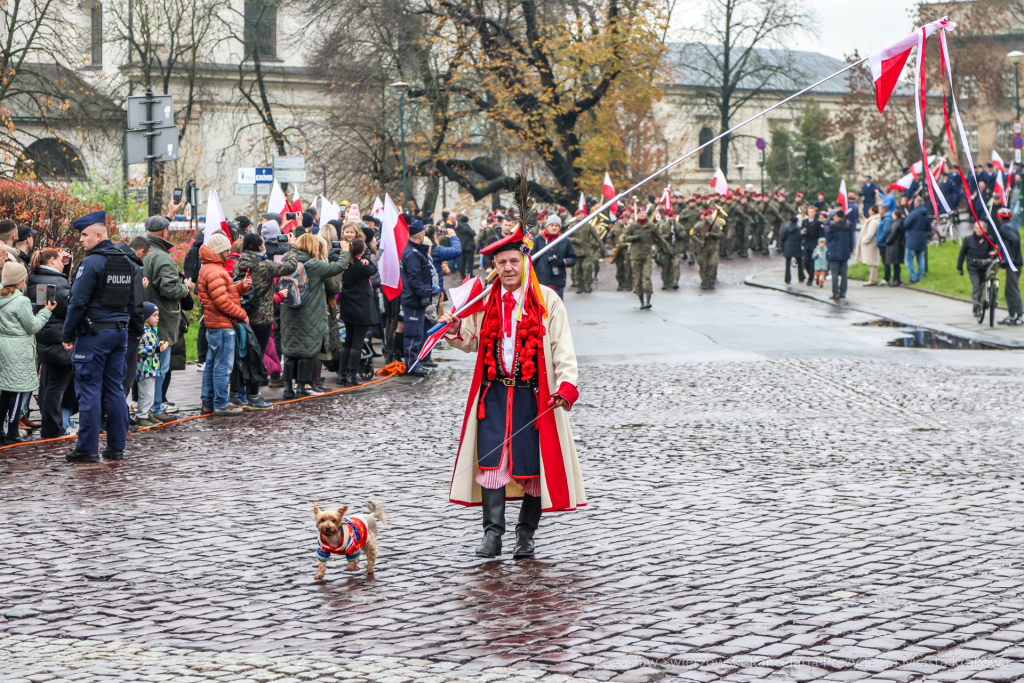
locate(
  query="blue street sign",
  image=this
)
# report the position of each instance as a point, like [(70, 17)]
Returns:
[(760, 143), (1018, 142), (264, 175)]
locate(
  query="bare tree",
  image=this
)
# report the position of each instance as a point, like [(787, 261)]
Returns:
[(728, 57)]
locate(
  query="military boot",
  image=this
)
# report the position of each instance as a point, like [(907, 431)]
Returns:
[(493, 506), (529, 518)]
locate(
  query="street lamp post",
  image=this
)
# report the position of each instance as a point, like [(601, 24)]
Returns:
[(401, 87)]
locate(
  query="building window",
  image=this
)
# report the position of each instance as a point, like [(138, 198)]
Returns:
[(707, 155), (260, 28), (849, 146), (50, 159), (969, 88), (972, 137), (96, 34), (1004, 136)]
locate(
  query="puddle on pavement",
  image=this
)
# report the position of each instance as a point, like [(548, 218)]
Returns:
[(929, 339), (880, 323)]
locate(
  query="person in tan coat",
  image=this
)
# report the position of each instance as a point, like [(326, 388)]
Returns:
[(516, 440), (867, 249), (222, 308)]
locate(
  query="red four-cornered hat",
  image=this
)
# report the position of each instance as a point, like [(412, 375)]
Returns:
[(513, 241)]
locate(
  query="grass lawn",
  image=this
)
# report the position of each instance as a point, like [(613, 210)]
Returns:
[(193, 334), (941, 274)]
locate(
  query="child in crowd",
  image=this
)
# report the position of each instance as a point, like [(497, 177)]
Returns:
[(820, 262), (149, 366)]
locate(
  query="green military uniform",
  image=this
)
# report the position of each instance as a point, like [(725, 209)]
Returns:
[(623, 271), (642, 239), (588, 250), (678, 240), (744, 225), (772, 224), (706, 239), (725, 245)]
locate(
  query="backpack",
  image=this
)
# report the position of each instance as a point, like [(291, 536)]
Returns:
[(297, 284)]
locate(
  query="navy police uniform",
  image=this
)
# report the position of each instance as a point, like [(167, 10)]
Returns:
[(102, 294)]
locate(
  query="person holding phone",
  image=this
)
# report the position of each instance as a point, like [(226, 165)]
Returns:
[(18, 327), (358, 310), (48, 277)]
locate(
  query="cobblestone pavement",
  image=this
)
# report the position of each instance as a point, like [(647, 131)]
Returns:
[(785, 519)]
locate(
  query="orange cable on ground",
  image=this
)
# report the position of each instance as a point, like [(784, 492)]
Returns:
[(387, 372)]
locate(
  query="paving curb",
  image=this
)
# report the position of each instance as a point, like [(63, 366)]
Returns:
[(895, 317)]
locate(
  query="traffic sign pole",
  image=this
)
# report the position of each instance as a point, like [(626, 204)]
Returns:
[(760, 144)]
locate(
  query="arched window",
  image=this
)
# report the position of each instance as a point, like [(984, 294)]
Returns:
[(707, 155), (849, 145), (50, 159)]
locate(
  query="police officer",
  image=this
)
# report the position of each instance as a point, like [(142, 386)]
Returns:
[(96, 329)]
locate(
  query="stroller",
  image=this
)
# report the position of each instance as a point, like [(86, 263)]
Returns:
[(366, 355)]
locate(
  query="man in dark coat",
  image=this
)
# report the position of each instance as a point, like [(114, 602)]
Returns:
[(551, 267), (918, 228), (975, 250), (869, 190), (839, 240), (417, 292), (467, 237), (810, 232), (1011, 239), (791, 248)]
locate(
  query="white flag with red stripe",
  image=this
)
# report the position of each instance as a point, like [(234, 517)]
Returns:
[(1000, 189), (608, 192), (903, 183), (215, 219), (582, 204), (296, 205), (394, 235), (917, 166), (843, 198), (718, 182), (459, 297), (277, 203), (666, 199), (940, 167), (887, 64), (997, 161)]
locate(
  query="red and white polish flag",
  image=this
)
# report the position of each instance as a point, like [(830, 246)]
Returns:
[(917, 166), (215, 218), (1000, 189), (887, 64), (278, 203), (582, 205), (394, 235), (666, 199), (460, 296), (903, 183), (608, 192), (997, 161), (843, 198), (718, 182)]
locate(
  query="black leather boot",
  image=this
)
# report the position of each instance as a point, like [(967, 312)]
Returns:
[(343, 367), (289, 378), (354, 360), (529, 518), (493, 506)]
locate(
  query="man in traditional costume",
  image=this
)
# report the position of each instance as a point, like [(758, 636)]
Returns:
[(516, 441)]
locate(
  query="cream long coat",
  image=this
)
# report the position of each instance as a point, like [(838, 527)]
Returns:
[(867, 250), (560, 361)]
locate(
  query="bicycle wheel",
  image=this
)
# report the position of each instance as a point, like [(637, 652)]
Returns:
[(993, 300), (980, 311)]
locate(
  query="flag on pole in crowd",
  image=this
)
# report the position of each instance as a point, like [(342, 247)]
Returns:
[(1000, 189), (215, 218), (997, 161), (940, 167), (1009, 176), (903, 183), (666, 198), (394, 235), (327, 211), (843, 198), (608, 192), (718, 182), (582, 205), (460, 296), (916, 167), (378, 208), (296, 200), (277, 203), (887, 64)]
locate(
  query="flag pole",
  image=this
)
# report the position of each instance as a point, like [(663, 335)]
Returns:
[(436, 328)]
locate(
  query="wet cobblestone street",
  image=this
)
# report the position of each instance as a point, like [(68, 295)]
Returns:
[(787, 519)]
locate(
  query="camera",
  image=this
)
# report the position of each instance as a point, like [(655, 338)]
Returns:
[(292, 216), (282, 239), (335, 245), (177, 195)]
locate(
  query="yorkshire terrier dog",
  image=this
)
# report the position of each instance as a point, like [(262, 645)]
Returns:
[(348, 536)]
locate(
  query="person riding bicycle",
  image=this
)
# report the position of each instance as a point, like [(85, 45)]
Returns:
[(1011, 238), (977, 252)]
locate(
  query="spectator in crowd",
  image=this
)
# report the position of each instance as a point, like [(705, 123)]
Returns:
[(254, 263), (867, 247), (438, 253), (222, 308), (810, 232), (853, 215), (166, 288), (820, 262), (895, 248), (136, 251), (790, 242), (8, 235), (840, 245), (918, 228), (24, 244), (304, 324), (505, 227), (467, 237), (419, 284), (148, 365), (271, 224), (551, 267), (50, 268), (869, 191), (357, 311), (1011, 239), (18, 327)]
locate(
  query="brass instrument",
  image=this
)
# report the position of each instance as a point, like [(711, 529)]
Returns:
[(601, 224), (618, 244)]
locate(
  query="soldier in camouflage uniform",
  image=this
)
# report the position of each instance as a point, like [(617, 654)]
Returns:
[(620, 254), (643, 236), (588, 250), (706, 235), (678, 240), (744, 224), (728, 228)]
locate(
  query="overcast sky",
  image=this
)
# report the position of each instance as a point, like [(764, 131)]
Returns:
[(842, 26)]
